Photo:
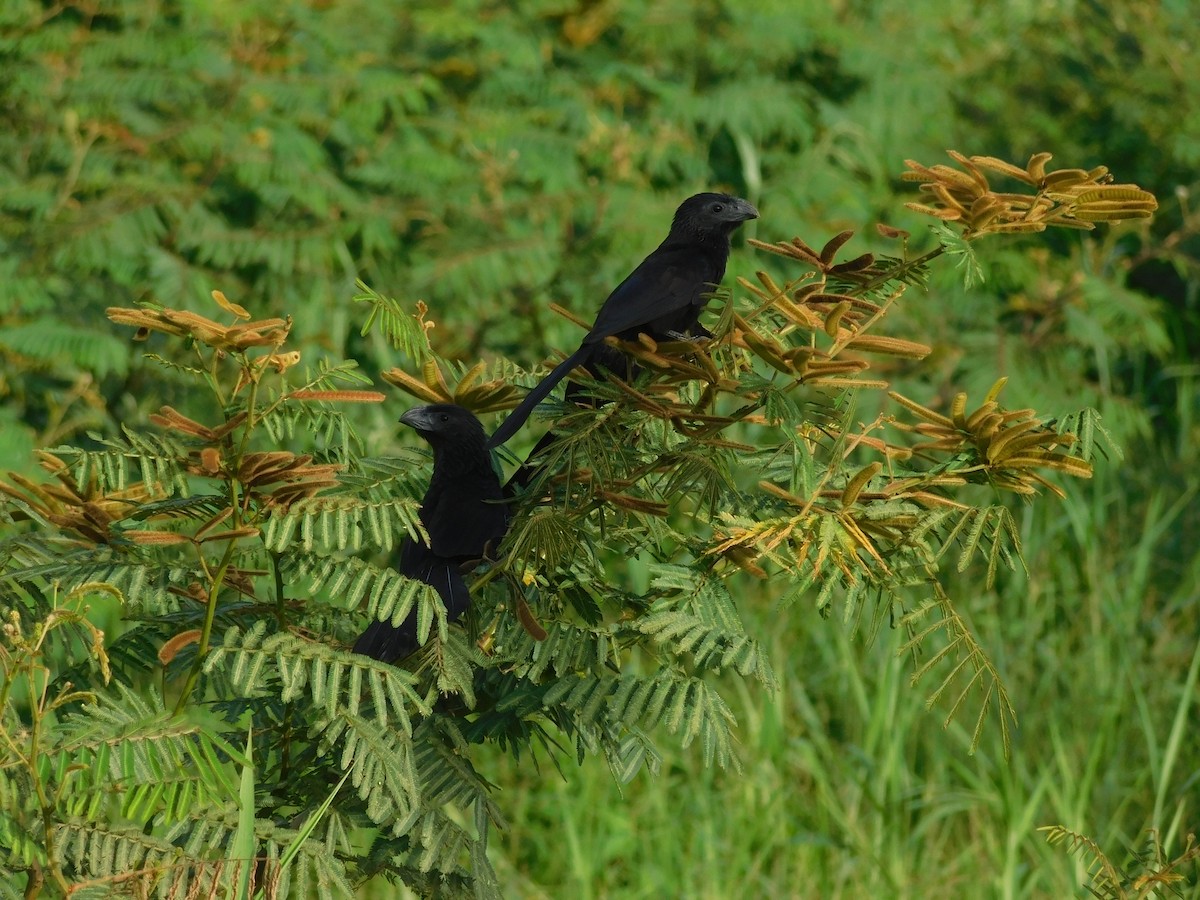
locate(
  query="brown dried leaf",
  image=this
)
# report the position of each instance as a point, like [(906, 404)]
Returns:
[(229, 306), (794, 249), (570, 316), (923, 411), (987, 410), (837, 366), (769, 283), (156, 538), (414, 386), (221, 430), (888, 345), (172, 419), (634, 504), (918, 173), (1063, 180), (470, 377), (528, 621), (946, 215), (210, 460), (338, 396), (1036, 167), (981, 182), (1004, 168), (214, 522), (1071, 465), (995, 389), (170, 649), (889, 231), (958, 411), (745, 559), (858, 264), (859, 481), (834, 319), (231, 535), (1016, 227), (996, 447), (834, 245), (1111, 212), (268, 466), (432, 373)]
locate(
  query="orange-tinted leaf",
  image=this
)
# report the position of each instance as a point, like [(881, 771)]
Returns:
[(169, 650), (230, 307)]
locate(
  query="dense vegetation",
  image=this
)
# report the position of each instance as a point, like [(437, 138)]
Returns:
[(491, 161)]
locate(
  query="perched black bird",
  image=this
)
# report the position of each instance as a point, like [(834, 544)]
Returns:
[(662, 297), (463, 513)]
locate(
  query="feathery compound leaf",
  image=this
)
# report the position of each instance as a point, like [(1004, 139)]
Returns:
[(342, 523), (333, 678), (565, 649), (348, 582), (711, 646), (970, 662), (687, 706), (404, 330), (380, 764), (1085, 425)]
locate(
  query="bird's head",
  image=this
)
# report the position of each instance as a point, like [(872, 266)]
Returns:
[(712, 214), (445, 423)]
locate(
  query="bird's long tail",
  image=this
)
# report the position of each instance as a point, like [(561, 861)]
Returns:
[(517, 417), (601, 362), (387, 642), (528, 469)]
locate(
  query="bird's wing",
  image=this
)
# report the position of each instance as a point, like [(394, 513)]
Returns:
[(669, 279), (467, 519)]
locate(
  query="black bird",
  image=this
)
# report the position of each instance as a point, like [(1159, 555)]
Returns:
[(463, 512), (663, 297)]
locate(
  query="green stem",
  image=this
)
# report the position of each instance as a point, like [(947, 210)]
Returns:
[(210, 613), (236, 520), (285, 758), (37, 706), (5, 689), (906, 266)]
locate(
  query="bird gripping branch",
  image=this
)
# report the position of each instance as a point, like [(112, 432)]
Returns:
[(663, 297)]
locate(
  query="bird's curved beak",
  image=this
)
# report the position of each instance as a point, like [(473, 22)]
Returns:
[(418, 417), (746, 211)]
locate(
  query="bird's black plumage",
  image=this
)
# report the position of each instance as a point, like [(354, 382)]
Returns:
[(463, 512), (662, 297)]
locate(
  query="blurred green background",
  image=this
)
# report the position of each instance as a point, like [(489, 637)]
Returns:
[(492, 158)]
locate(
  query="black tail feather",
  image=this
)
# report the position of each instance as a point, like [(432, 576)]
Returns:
[(527, 470), (387, 642), (518, 416)]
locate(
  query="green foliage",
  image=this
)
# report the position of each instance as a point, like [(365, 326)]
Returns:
[(492, 159), (236, 562)]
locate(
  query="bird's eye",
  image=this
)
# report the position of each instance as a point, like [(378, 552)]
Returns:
[(444, 417), (717, 207)]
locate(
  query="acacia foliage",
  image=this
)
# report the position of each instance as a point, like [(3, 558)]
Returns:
[(248, 546)]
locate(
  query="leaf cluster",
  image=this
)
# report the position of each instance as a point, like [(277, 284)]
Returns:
[(1148, 874)]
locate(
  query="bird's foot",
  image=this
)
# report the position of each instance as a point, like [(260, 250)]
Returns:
[(686, 338)]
